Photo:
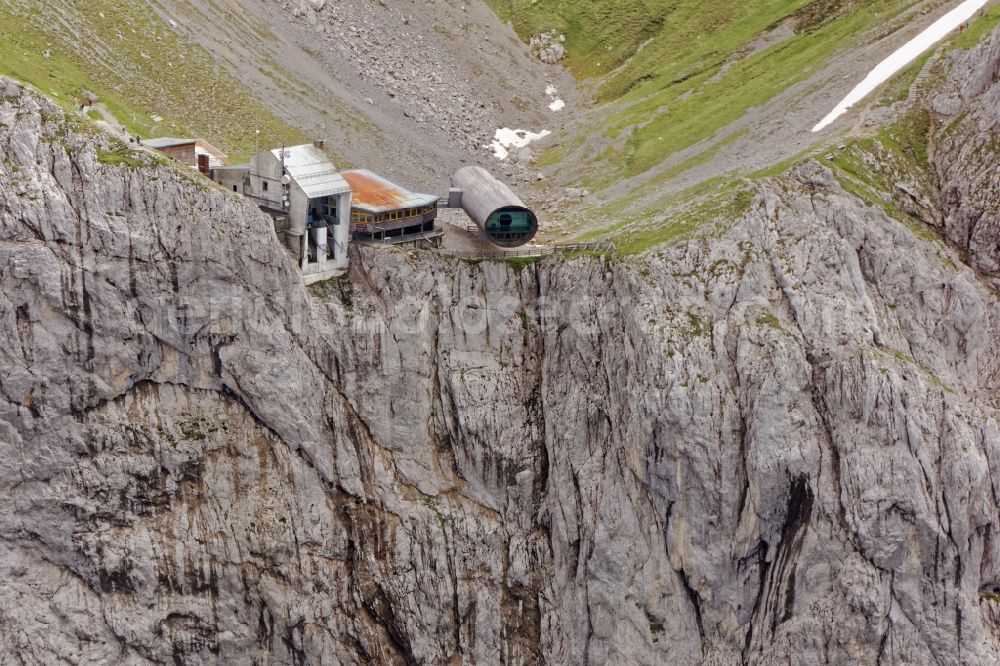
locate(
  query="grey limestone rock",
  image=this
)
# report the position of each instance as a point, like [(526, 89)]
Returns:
[(548, 47), (779, 446), (967, 117)]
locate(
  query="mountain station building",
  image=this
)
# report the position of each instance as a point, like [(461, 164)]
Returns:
[(318, 210), (385, 213), (195, 153), (308, 198)]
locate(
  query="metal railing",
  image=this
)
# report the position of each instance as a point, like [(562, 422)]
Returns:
[(584, 247), (484, 254), (541, 251), (397, 240)]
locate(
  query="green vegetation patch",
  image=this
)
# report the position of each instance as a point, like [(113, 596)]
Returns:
[(698, 326), (668, 114), (903, 357), (770, 320), (978, 28), (870, 168), (634, 40), (673, 73), (191, 431), (123, 155), (679, 70), (719, 201), (695, 160), (528, 326), (138, 67), (117, 157), (517, 263)]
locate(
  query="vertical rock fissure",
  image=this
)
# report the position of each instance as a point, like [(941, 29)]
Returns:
[(695, 600), (778, 591)]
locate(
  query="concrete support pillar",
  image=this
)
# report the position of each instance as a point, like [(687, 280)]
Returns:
[(342, 231), (319, 239)]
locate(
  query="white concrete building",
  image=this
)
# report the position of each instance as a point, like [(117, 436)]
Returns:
[(309, 199)]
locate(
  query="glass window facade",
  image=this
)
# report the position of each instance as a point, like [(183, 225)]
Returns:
[(511, 226)]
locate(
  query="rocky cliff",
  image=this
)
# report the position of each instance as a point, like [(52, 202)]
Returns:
[(775, 443)]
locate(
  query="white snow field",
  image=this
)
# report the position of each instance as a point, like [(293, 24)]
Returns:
[(506, 138), (903, 56)]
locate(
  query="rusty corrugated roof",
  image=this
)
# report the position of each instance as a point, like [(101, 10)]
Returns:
[(375, 194)]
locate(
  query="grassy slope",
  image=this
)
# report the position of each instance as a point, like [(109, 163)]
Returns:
[(871, 167), (678, 71), (672, 114), (137, 65), (601, 36), (978, 29)]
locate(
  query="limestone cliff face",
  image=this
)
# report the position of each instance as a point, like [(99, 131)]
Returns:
[(965, 151), (776, 445)]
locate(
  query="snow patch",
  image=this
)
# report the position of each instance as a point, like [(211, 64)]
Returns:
[(506, 138), (903, 56), (556, 104)]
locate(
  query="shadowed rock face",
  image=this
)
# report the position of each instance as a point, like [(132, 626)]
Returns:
[(776, 446)]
